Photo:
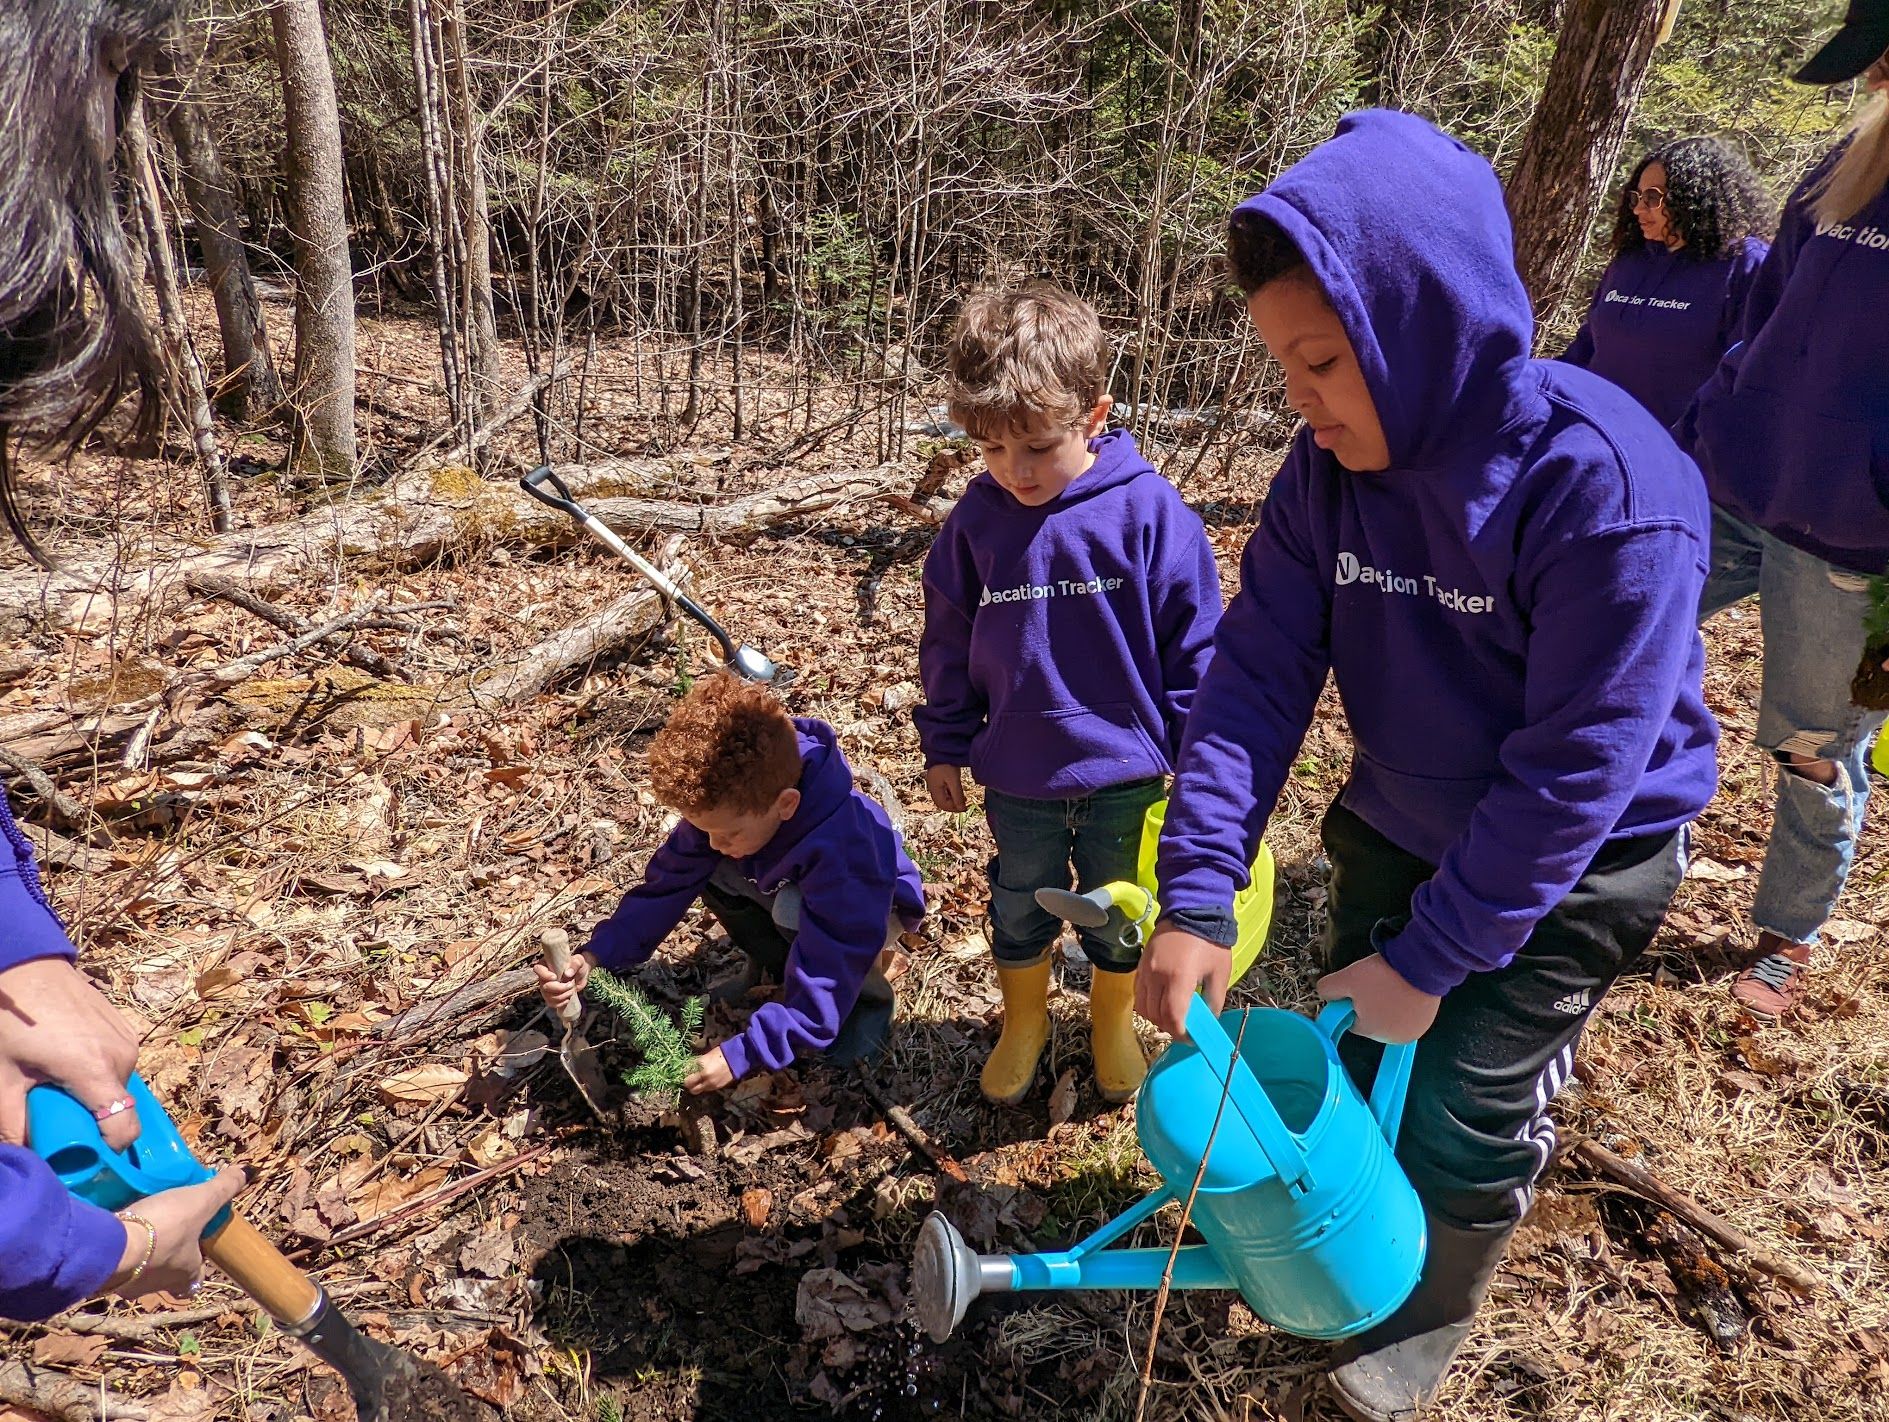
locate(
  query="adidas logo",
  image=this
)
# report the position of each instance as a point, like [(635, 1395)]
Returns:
[(1575, 1003)]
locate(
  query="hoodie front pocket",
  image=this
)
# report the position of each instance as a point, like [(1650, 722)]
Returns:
[(1066, 750), (1793, 469)]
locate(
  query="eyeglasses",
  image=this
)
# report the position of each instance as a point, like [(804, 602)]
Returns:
[(1652, 199)]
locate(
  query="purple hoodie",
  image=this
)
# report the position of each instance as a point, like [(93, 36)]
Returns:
[(1508, 608), (1661, 320), (55, 1250), (853, 873), (1792, 429), (1063, 643)]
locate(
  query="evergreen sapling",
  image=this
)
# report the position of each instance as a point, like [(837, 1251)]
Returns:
[(668, 1059), (1870, 687)]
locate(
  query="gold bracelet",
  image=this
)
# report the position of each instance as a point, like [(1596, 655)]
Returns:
[(150, 1247)]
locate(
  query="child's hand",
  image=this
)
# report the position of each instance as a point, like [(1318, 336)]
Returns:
[(557, 991), (1175, 965), (946, 783), (711, 1074), (1390, 1010)]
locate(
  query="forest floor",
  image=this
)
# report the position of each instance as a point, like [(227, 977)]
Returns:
[(270, 907)]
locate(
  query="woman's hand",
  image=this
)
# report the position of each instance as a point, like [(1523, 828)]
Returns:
[(946, 784), (1389, 1009), (174, 1239), (56, 1027), (559, 990), (711, 1073), (1174, 966)]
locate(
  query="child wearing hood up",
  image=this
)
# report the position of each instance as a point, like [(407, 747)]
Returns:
[(1070, 601), (1499, 559), (804, 870)]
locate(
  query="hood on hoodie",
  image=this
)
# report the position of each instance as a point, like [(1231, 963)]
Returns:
[(1407, 231)]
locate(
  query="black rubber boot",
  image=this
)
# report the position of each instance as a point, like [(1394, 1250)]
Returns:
[(752, 930), (1393, 1372), (867, 1028)]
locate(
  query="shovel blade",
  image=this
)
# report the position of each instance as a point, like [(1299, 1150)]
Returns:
[(583, 1068)]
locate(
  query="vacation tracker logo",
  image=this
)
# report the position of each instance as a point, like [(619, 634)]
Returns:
[(1349, 570), (1872, 237), (1061, 587), (1664, 303)]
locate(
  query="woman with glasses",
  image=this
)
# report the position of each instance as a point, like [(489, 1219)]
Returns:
[(1792, 435), (1686, 248)]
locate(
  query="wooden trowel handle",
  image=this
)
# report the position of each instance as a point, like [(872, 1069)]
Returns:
[(556, 944), (262, 1272)]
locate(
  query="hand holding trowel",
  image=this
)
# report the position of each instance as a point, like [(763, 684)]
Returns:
[(577, 1055)]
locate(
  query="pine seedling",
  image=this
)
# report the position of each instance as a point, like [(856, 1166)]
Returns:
[(1876, 614), (668, 1058)]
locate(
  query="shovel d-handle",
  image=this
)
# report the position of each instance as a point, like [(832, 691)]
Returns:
[(1247, 1098), (1393, 1069), (558, 496)]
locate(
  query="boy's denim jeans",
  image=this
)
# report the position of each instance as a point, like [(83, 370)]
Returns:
[(1037, 841), (1811, 616)]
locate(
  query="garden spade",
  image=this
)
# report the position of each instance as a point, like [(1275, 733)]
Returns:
[(744, 661), (579, 1057)]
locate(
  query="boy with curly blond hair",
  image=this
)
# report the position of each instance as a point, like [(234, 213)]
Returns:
[(805, 872)]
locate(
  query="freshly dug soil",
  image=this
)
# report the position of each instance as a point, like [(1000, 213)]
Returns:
[(1870, 686)]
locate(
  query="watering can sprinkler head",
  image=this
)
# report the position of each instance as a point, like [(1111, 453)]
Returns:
[(1125, 910), (947, 1274)]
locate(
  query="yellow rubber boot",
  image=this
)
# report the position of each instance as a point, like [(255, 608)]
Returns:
[(1012, 1064), (1119, 1063)]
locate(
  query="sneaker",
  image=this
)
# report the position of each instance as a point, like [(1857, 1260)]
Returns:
[(1771, 984)]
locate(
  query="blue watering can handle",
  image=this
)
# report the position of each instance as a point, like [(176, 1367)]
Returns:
[(1216, 1050), (1393, 1070)]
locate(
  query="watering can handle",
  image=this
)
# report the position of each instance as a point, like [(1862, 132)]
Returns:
[(1244, 1094), (1393, 1070)]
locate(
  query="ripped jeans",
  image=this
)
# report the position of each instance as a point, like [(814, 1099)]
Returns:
[(1811, 616)]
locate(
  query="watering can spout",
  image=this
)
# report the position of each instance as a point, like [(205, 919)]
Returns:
[(947, 1274)]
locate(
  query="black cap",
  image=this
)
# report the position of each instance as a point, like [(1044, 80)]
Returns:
[(1862, 41)]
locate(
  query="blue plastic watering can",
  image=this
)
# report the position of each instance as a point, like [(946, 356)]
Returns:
[(65, 1136), (1302, 1204)]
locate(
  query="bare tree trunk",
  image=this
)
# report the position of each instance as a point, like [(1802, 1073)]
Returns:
[(475, 223), (322, 445), (1574, 142), (184, 366), (251, 386), (437, 183)]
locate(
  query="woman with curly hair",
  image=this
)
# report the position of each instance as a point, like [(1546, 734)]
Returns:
[(1792, 435), (1686, 248)]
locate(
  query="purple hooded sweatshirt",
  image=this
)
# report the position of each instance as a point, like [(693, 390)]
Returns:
[(1661, 320), (842, 852), (1063, 643), (1792, 429), (55, 1250), (1508, 608)]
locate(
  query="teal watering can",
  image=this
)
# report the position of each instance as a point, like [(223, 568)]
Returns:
[(386, 1384), (1302, 1204)]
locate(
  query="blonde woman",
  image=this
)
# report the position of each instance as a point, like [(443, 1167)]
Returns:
[(1792, 433)]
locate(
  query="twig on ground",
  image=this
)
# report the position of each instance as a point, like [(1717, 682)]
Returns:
[(69, 810), (901, 1120), (140, 1328), (426, 1202), (1644, 1183), (454, 1006), (43, 1390), (368, 660)]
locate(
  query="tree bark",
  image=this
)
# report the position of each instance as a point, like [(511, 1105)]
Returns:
[(183, 364), (473, 211), (322, 445), (251, 387), (1574, 141)]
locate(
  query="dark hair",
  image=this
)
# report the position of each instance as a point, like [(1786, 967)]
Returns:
[(1713, 198), (73, 338), (1259, 252), (728, 745)]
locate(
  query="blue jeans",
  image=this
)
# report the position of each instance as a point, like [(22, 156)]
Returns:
[(1811, 616), (1037, 841)]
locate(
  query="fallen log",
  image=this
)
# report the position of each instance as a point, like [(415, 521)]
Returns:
[(1645, 1184), (636, 613), (414, 518), (63, 1396)]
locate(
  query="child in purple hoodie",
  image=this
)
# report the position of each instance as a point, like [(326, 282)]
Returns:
[(807, 874), (1070, 601), (1499, 561)]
